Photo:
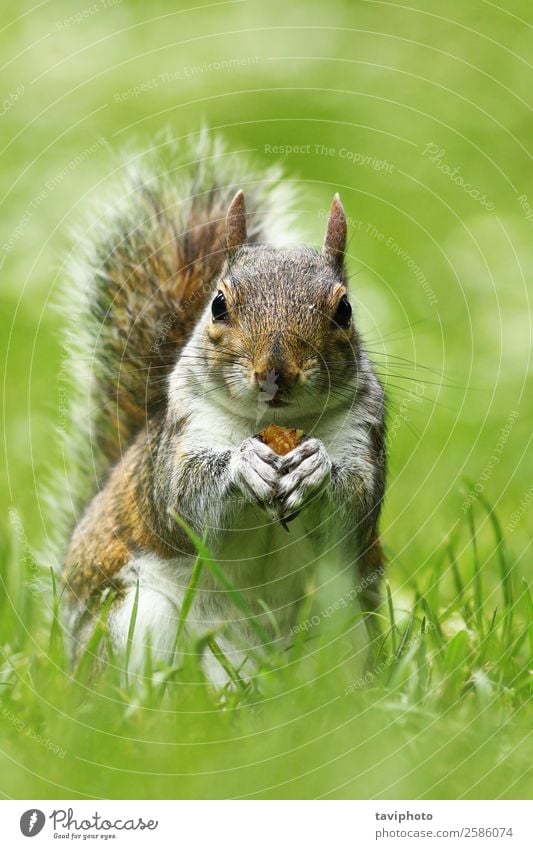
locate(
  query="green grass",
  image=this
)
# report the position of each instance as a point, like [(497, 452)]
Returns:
[(441, 713)]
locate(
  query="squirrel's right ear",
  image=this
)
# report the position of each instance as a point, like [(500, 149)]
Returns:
[(236, 223), (336, 232)]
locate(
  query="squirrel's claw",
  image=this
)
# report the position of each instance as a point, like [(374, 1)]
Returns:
[(284, 520)]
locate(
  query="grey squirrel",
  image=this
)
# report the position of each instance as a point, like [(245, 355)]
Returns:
[(197, 330)]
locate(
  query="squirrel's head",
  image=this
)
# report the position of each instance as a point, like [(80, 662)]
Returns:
[(279, 329)]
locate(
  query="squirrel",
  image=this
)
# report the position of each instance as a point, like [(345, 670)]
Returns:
[(196, 327)]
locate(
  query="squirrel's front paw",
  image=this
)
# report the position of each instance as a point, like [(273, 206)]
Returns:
[(254, 469), (304, 471)]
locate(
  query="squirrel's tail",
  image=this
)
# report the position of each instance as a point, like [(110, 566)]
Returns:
[(145, 273)]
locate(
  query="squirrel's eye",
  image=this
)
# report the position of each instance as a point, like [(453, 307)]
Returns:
[(343, 313), (219, 307)]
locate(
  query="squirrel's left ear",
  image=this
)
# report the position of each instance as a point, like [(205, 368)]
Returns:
[(336, 231), (236, 223)]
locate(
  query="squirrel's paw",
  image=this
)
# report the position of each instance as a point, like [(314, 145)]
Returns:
[(255, 469), (304, 471)]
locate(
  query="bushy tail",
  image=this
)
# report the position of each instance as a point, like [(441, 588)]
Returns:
[(145, 274)]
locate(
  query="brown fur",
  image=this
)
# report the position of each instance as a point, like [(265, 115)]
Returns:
[(151, 301)]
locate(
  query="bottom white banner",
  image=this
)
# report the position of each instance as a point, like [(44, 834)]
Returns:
[(260, 824)]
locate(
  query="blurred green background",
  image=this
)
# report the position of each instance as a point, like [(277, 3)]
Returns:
[(419, 115)]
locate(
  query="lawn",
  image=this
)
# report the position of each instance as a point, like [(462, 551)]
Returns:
[(422, 120)]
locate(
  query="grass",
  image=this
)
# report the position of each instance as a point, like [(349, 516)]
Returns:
[(442, 712)]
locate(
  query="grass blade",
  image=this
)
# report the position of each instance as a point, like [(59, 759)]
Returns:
[(459, 587), (433, 621), (90, 652), (528, 604), (454, 665), (56, 646), (228, 668), (506, 572)]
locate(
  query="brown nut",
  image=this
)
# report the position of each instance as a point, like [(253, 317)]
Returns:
[(281, 439)]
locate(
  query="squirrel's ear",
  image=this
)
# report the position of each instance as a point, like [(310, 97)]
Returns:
[(236, 223), (336, 230)]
